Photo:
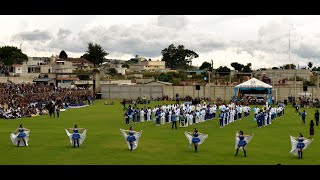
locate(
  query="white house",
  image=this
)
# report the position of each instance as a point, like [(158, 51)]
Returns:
[(17, 69), (121, 70)]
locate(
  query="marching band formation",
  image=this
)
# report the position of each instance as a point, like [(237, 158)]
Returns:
[(186, 114)]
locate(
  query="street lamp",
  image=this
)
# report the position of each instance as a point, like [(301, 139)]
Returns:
[(290, 28)]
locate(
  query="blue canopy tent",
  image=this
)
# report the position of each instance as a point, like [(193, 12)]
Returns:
[(254, 84)]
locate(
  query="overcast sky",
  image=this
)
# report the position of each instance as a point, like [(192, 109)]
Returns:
[(260, 40)]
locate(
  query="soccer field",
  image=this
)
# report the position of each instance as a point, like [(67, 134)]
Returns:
[(104, 144)]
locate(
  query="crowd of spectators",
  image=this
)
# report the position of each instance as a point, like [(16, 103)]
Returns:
[(4, 70), (26, 100)]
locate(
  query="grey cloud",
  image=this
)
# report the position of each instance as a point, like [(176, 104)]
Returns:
[(63, 33), (64, 40), (273, 27), (176, 21), (149, 39), (36, 35), (307, 50), (141, 40)]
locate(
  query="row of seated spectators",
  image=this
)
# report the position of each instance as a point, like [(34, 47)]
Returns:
[(4, 70), (26, 100)]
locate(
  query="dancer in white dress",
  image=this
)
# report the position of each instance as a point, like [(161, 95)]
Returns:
[(22, 134), (132, 138), (241, 141), (298, 144), (76, 137), (195, 138)]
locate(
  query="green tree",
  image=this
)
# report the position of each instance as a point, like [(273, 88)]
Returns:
[(95, 54), (82, 76), (125, 65), (287, 66), (86, 56), (182, 75), (223, 70), (164, 77), (310, 64), (175, 81), (132, 60), (275, 68), (247, 68), (178, 57), (63, 55), (316, 69), (206, 65), (113, 71), (238, 67), (12, 55), (308, 83)]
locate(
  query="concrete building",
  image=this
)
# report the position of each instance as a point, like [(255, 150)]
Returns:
[(80, 63), (17, 69), (121, 70), (62, 66), (278, 74), (148, 65)]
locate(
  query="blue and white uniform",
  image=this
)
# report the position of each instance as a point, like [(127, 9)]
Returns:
[(242, 142), (195, 138), (300, 143), (75, 134), (131, 137), (21, 134)]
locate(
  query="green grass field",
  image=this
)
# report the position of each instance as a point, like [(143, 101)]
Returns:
[(104, 144)]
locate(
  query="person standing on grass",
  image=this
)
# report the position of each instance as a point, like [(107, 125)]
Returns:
[(131, 138), (58, 110), (133, 115), (256, 111), (311, 129), (76, 137), (124, 104), (126, 116), (142, 115), (53, 109), (221, 116), (303, 116), (316, 117), (21, 135), (299, 144), (158, 116), (241, 141), (297, 108), (195, 138), (174, 119), (138, 115)]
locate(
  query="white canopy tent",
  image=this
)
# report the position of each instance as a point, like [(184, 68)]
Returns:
[(254, 84)]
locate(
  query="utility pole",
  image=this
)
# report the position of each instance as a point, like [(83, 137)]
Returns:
[(273, 79), (211, 69), (230, 91), (289, 52), (317, 84), (295, 85)]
